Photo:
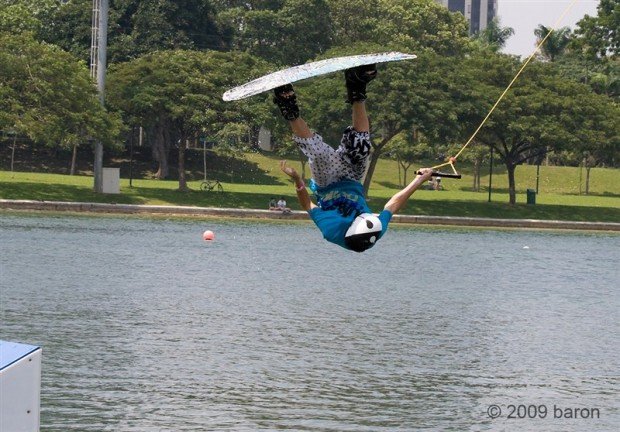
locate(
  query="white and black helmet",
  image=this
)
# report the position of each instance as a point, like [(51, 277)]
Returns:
[(363, 232)]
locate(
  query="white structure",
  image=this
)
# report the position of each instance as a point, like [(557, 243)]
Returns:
[(264, 139), (479, 13), (110, 182), (20, 387)]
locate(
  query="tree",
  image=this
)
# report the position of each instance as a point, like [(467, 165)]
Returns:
[(494, 36), (543, 111), (556, 44), (355, 21), (416, 95), (289, 32), (142, 27), (477, 154), (176, 95), (409, 25), (593, 57), (135, 27), (17, 16), (601, 33), (407, 148), (48, 96), (420, 25)]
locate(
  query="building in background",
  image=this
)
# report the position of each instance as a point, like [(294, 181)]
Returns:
[(479, 13)]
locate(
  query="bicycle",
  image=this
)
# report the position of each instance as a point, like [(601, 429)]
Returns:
[(210, 185)]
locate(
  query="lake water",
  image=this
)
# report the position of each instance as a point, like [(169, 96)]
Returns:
[(146, 327)]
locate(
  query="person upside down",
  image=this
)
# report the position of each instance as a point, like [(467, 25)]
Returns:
[(341, 212)]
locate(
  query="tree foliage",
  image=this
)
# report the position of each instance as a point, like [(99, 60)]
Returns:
[(136, 27), (601, 34), (494, 36), (284, 32), (543, 111), (18, 16), (555, 44), (48, 95), (176, 95), (407, 148), (172, 60)]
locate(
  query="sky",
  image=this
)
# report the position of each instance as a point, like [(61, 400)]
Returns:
[(525, 15)]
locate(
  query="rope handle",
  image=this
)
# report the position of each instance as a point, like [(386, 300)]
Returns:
[(442, 174)]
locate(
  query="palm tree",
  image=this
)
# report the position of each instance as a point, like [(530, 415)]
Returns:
[(494, 35), (556, 43)]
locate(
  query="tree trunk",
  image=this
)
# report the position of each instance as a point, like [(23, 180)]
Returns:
[(405, 169), (510, 168), (374, 158), (477, 175), (158, 139), (302, 158), (588, 179), (13, 151), (73, 159), (182, 179)]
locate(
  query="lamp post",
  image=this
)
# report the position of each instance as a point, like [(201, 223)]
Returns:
[(14, 134), (133, 133), (490, 173), (98, 58)]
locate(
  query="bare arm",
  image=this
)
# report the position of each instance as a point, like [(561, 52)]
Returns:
[(399, 200), (302, 194)]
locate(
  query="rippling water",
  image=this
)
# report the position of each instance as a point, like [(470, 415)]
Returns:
[(146, 327)]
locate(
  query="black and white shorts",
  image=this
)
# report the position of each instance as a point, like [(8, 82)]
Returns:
[(348, 162)]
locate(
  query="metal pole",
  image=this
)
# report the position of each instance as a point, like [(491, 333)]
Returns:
[(580, 174), (537, 177), (204, 159), (100, 15), (13, 152), (490, 174), (133, 133)]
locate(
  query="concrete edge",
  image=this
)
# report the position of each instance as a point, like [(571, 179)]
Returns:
[(60, 206)]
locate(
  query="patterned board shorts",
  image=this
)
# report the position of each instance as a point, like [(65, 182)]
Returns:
[(348, 162)]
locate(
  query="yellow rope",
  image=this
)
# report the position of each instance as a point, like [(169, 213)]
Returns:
[(452, 160)]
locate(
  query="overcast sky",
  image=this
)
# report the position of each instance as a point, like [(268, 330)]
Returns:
[(525, 15)]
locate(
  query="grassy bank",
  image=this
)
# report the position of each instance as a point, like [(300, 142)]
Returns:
[(250, 183)]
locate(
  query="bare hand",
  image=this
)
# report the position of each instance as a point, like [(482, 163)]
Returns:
[(425, 173), (289, 171)]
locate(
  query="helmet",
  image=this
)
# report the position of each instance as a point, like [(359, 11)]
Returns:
[(363, 232)]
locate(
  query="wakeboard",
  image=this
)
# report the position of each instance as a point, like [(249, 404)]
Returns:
[(309, 70)]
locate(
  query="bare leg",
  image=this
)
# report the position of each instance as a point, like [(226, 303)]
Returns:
[(287, 102), (360, 118), (300, 128)]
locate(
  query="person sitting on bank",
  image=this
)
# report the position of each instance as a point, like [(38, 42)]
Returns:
[(282, 206), (273, 205), (438, 183)]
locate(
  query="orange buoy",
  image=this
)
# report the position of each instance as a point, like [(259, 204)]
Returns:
[(208, 235)]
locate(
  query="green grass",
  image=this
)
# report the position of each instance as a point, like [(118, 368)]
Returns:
[(255, 179)]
